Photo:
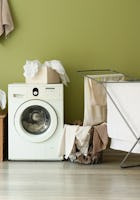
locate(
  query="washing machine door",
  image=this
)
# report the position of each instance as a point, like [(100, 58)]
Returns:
[(35, 120)]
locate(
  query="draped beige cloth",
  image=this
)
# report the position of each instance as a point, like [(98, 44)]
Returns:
[(74, 134), (97, 142), (95, 103), (6, 22)]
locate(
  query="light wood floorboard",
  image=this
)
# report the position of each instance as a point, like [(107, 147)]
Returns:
[(65, 180)]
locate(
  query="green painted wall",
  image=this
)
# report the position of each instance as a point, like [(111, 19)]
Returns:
[(83, 34)]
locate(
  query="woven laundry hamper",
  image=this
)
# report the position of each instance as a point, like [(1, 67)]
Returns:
[(3, 136)]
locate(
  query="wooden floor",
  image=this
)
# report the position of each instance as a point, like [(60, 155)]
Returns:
[(65, 180)]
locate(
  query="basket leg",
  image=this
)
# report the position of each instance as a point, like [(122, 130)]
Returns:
[(126, 156)]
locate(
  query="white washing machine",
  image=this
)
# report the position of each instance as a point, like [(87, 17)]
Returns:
[(35, 121)]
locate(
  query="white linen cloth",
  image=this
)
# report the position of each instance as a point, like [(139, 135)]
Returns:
[(58, 67), (71, 133), (95, 106), (82, 136), (31, 68), (127, 98), (6, 22), (2, 99)]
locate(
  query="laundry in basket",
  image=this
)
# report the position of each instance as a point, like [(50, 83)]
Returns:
[(49, 72), (84, 144), (34, 72)]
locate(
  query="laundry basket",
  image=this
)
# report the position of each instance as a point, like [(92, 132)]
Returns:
[(3, 136), (45, 75), (122, 110)]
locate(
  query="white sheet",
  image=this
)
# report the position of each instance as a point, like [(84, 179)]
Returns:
[(127, 97)]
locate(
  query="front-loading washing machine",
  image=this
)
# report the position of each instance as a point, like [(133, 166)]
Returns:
[(35, 121)]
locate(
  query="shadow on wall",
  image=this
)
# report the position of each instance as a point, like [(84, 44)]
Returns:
[(74, 97)]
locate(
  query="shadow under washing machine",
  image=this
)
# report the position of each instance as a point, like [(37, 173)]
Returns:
[(35, 121)]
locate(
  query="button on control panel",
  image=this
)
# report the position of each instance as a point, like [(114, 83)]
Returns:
[(35, 91)]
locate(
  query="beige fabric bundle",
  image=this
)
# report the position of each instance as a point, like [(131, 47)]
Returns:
[(95, 104), (71, 133), (6, 22), (97, 143)]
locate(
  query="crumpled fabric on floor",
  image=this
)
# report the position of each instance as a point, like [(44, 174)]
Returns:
[(74, 134), (97, 143)]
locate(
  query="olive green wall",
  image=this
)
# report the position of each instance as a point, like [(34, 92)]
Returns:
[(83, 34)]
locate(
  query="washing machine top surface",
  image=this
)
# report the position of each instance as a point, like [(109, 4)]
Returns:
[(20, 84), (43, 91)]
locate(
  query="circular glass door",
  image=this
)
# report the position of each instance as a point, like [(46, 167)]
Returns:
[(35, 120)]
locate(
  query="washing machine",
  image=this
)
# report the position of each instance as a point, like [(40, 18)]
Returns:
[(35, 121)]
